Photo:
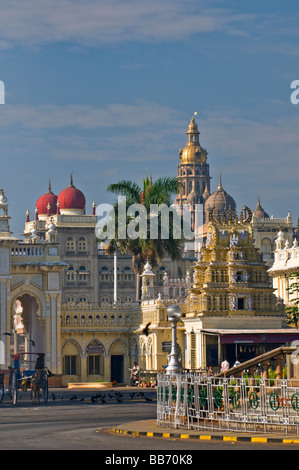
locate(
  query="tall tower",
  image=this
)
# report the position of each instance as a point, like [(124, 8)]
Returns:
[(231, 292), (193, 169)]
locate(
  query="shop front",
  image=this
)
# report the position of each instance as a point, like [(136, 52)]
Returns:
[(243, 345)]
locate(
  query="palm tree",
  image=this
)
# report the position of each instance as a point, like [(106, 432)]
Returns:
[(146, 248)]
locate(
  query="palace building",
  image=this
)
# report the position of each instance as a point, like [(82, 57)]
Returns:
[(61, 293)]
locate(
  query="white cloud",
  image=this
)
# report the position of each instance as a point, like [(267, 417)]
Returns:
[(34, 23), (141, 114), (147, 130)]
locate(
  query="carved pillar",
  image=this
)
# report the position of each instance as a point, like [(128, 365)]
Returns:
[(265, 366)]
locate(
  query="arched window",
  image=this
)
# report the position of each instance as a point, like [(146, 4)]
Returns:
[(71, 359), (104, 273), (83, 273), (95, 352), (266, 246), (71, 299), (128, 273), (82, 245), (70, 274), (70, 244), (83, 299)]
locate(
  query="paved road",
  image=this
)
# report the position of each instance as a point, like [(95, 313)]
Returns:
[(72, 424)]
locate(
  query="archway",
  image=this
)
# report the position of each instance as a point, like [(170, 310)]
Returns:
[(28, 333)]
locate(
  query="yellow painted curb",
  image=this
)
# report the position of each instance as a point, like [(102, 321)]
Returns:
[(290, 441), (203, 437), (230, 438), (259, 439)]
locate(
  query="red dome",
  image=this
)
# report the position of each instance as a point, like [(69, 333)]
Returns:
[(45, 200), (71, 198)]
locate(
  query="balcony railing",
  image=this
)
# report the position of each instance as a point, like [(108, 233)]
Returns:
[(26, 250)]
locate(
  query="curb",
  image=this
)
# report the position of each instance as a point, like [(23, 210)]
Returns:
[(207, 437)]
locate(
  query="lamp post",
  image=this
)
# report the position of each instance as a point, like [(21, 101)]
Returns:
[(174, 365)]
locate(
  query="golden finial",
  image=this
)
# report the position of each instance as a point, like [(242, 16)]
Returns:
[(220, 184)]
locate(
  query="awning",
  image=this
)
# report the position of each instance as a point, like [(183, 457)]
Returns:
[(283, 335)]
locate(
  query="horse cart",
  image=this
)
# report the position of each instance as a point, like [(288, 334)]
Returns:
[(24, 378)]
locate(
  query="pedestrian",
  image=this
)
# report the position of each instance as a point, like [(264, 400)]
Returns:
[(237, 362), (224, 366)]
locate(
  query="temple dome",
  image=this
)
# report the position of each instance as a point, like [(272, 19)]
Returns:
[(259, 212), (47, 203), (220, 200), (71, 198), (193, 152)]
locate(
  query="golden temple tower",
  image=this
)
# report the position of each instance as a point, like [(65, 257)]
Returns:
[(193, 170), (231, 293)]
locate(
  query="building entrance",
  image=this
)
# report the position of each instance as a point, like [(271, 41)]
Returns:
[(117, 368), (28, 335)]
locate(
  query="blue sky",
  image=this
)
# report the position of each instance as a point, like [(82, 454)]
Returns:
[(106, 89)]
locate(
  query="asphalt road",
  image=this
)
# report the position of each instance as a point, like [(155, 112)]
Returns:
[(81, 424)]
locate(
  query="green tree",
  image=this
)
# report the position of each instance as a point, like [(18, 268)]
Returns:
[(144, 247), (292, 311)]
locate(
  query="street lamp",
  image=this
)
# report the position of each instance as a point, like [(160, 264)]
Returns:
[(174, 364)]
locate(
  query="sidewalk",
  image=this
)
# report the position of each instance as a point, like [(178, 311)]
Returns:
[(149, 428)]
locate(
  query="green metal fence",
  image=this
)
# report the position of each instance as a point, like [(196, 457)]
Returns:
[(199, 402)]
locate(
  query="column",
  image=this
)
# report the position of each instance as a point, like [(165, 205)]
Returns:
[(107, 367), (5, 327), (83, 368), (200, 354), (126, 373), (54, 333), (47, 332), (187, 350), (279, 371)]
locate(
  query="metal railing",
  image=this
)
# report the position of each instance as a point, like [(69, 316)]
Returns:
[(201, 402)]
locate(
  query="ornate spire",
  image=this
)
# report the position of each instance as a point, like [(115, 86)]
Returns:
[(206, 192), (49, 187), (71, 185), (220, 184)]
